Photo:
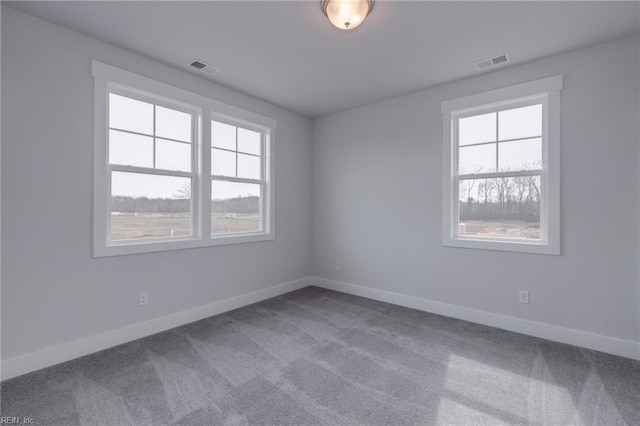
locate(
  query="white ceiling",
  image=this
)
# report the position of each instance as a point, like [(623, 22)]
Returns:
[(289, 54)]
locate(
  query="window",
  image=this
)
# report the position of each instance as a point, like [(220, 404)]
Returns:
[(152, 168), (238, 181), (173, 169), (501, 165)]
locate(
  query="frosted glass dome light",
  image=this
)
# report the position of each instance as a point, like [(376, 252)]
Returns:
[(346, 14)]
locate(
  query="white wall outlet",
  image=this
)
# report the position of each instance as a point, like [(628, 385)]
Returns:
[(143, 298), (338, 266), (524, 296)]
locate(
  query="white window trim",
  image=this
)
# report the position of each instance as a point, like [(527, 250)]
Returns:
[(547, 88), (106, 75)]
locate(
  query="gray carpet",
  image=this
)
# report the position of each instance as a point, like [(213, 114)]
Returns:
[(320, 357)]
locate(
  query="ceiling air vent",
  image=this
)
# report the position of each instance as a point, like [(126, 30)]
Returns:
[(203, 67), (492, 62)]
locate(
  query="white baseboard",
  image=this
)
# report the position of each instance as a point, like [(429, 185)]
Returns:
[(47, 357), (612, 345)]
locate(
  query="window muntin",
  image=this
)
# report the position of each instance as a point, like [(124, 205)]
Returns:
[(146, 158), (498, 156), (150, 175), (526, 145), (238, 180)]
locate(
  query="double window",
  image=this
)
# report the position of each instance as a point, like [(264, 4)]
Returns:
[(501, 188), (174, 169)]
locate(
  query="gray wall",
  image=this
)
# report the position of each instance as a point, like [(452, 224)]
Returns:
[(377, 185), (376, 200), (53, 291)]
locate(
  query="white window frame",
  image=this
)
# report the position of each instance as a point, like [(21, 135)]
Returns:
[(264, 165), (109, 78), (545, 91)]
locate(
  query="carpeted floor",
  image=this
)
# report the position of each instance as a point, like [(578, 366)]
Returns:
[(320, 357)]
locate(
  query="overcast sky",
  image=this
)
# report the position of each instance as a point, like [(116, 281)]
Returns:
[(479, 151), (130, 120)]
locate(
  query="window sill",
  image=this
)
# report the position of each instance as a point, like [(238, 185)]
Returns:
[(121, 249), (517, 246)]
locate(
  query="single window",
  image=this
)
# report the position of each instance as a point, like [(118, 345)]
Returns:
[(237, 179), (501, 163), (155, 188), (150, 176)]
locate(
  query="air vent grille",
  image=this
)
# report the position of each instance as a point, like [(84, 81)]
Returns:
[(499, 59), (484, 64), (198, 65), (492, 62), (201, 66)]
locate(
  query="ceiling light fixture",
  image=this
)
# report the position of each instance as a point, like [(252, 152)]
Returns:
[(346, 14)]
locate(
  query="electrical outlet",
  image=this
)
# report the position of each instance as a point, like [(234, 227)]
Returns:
[(143, 298), (338, 266), (524, 296)]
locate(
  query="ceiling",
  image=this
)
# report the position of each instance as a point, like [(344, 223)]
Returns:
[(288, 53)]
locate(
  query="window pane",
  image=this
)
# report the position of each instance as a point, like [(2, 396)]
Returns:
[(477, 159), (502, 207), (223, 135), (173, 124), (147, 206), (520, 155), (248, 141), (518, 123), (130, 114), (477, 129), (173, 155), (223, 163), (235, 207), (129, 149), (248, 166)]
